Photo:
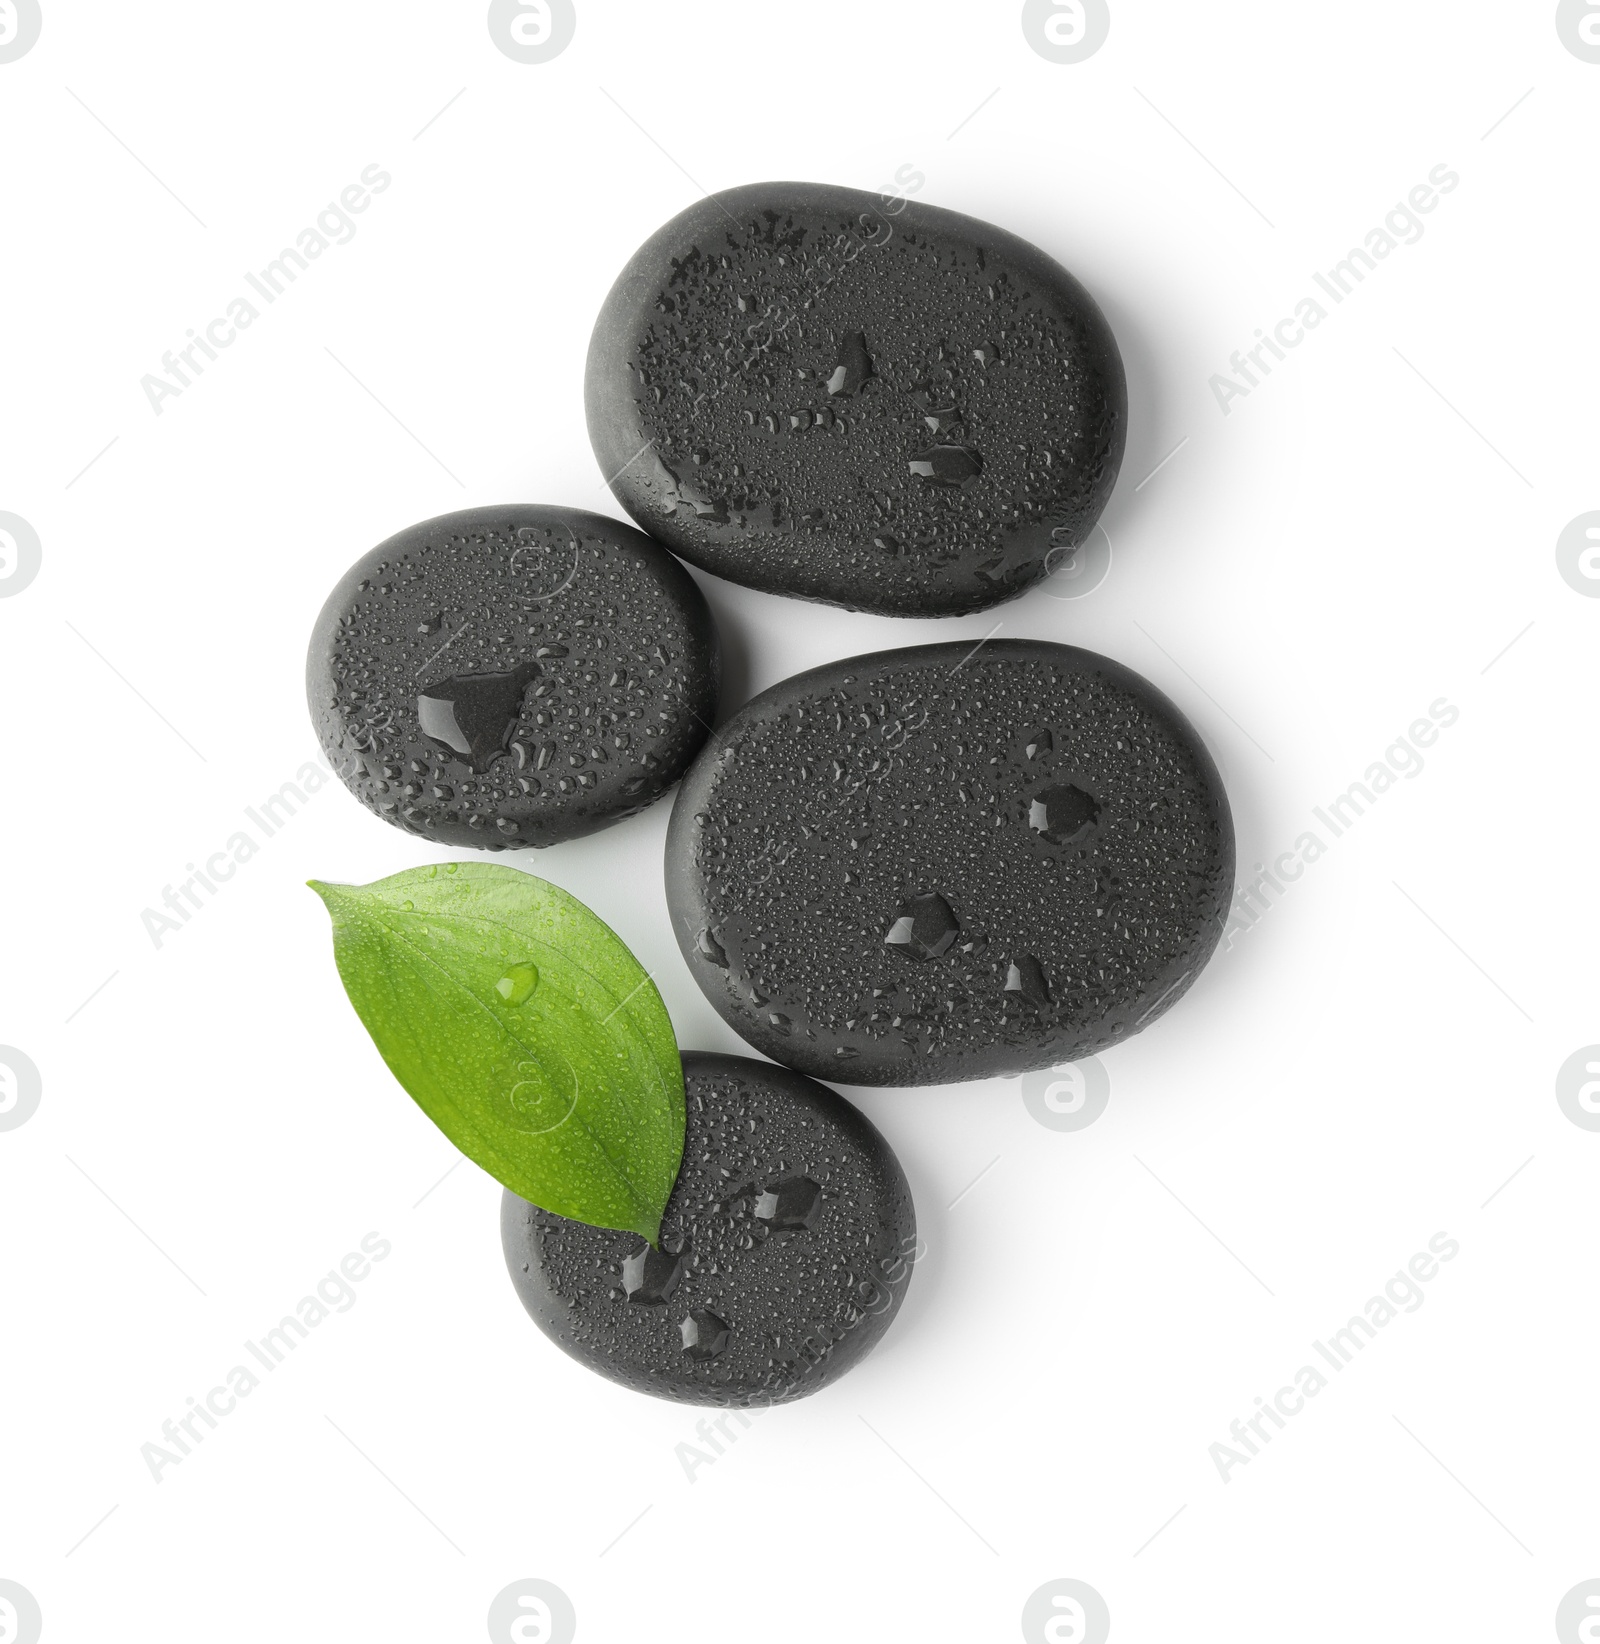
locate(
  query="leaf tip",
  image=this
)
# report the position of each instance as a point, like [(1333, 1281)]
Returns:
[(333, 897)]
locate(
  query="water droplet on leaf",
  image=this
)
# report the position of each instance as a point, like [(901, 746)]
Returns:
[(517, 985)]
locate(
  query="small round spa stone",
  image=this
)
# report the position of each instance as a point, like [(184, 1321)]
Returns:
[(786, 1249), (886, 406), (944, 863), (512, 675)]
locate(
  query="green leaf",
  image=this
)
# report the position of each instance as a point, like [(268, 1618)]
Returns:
[(521, 1025)]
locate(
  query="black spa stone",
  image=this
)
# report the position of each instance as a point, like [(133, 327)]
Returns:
[(512, 675), (904, 411), (944, 863), (786, 1250)]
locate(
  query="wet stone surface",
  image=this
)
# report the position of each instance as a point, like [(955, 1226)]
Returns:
[(915, 413), (512, 676), (786, 1250), (930, 869)]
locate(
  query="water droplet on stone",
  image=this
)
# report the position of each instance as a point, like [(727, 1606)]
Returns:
[(790, 1202), (947, 464), (1025, 976), (472, 715), (925, 927), (649, 1276), (1063, 814), (1041, 742), (854, 367), (711, 949), (517, 985), (704, 1334), (939, 411)]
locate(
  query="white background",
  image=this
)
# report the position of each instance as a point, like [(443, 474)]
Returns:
[(1362, 535)]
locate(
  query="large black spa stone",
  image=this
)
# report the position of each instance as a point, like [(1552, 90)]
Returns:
[(944, 863), (786, 1249), (907, 410), (512, 675)]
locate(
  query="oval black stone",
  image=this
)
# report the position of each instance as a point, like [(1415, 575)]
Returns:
[(938, 863), (786, 1249), (512, 675), (915, 413)]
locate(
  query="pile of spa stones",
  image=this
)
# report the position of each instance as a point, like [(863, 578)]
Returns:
[(914, 867)]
